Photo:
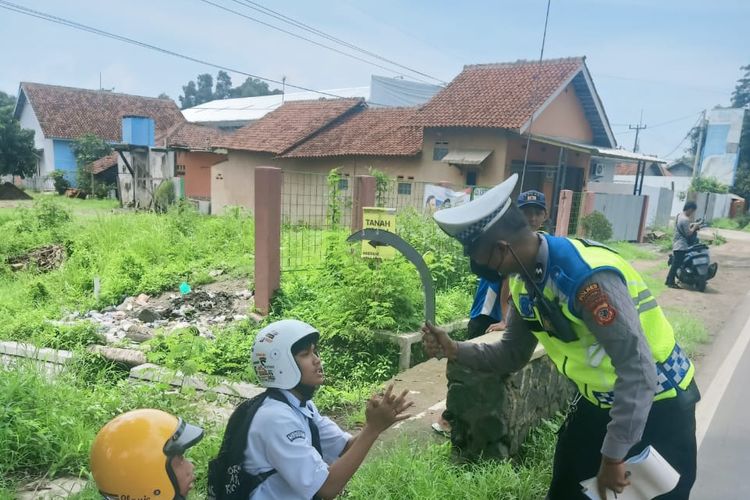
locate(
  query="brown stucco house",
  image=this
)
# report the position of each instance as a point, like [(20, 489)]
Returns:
[(473, 132)]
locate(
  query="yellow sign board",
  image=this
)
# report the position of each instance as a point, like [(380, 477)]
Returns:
[(383, 219)]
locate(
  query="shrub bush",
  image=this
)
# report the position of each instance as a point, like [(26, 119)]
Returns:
[(59, 181), (164, 196), (596, 226)]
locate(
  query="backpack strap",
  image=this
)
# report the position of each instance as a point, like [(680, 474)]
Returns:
[(314, 432)]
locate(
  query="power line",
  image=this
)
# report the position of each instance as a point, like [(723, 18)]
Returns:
[(715, 90), (532, 96), (82, 27), (299, 24), (310, 40), (657, 125), (684, 138)]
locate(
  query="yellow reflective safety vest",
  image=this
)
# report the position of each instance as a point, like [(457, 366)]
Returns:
[(571, 262)]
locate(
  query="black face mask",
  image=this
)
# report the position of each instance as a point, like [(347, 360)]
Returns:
[(485, 272)]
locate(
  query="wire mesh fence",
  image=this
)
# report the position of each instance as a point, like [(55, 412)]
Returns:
[(312, 205), (574, 223), (317, 207)]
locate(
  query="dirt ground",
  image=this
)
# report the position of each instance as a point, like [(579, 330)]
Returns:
[(722, 294)]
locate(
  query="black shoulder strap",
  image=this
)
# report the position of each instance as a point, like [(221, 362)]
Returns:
[(226, 478)]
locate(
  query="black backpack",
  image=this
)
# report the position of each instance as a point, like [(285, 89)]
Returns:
[(226, 478)]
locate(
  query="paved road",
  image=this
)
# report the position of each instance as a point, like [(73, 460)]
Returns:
[(723, 416)]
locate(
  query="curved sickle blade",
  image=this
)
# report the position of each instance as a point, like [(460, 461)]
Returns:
[(395, 241)]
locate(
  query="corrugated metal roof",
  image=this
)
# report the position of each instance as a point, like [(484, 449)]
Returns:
[(248, 109), (622, 154), (466, 156)]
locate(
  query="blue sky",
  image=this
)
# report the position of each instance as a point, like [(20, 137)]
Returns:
[(670, 58)]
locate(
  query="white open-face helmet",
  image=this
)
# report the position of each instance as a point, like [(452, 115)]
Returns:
[(272, 356)]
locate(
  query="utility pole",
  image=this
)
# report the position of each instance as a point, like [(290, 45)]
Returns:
[(637, 129), (698, 148), (283, 88)]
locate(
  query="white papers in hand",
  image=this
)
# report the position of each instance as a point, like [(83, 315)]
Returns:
[(650, 475)]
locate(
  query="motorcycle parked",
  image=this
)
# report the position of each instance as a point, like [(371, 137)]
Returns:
[(696, 268)]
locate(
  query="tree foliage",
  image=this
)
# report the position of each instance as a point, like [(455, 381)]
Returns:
[(204, 90), (87, 149), (741, 98), (708, 185), (223, 85), (17, 155), (741, 94), (252, 87)]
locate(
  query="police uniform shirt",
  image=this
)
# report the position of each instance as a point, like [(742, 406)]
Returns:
[(623, 340), (279, 438), (487, 301)]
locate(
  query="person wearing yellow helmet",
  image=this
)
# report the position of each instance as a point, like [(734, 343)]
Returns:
[(140, 454)]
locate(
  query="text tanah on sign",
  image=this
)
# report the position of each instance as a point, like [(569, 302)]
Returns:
[(383, 219)]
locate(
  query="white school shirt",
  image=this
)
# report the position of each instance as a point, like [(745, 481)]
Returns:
[(279, 438)]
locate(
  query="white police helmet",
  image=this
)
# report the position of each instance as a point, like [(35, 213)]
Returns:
[(272, 356), (469, 221)]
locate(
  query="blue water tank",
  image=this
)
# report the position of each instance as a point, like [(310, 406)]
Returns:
[(138, 130)]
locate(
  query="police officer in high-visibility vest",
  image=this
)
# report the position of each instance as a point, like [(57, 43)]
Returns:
[(603, 329)]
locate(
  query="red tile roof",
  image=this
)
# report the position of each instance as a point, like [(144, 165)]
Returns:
[(104, 163), (370, 132), (68, 113), (288, 125), (193, 137), (651, 169), (497, 95)]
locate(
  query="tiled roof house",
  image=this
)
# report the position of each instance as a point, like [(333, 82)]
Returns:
[(59, 115)]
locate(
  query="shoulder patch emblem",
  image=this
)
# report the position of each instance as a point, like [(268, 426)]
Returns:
[(604, 314), (591, 294), (295, 435)]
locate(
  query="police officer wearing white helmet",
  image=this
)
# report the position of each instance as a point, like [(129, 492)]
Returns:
[(604, 330), (295, 451)]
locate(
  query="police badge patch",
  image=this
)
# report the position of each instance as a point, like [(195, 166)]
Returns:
[(604, 314)]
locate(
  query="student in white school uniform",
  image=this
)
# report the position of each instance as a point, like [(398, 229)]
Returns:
[(294, 451)]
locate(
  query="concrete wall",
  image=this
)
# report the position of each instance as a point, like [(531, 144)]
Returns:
[(623, 211), (678, 185), (46, 165), (151, 168), (564, 117), (491, 415), (198, 171), (660, 200), (712, 205)]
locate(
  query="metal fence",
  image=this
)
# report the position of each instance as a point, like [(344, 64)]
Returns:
[(575, 215), (311, 205), (316, 207)]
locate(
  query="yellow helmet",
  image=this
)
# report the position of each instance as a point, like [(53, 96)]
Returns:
[(131, 454)]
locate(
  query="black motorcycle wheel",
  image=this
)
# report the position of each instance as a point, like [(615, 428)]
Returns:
[(701, 286)]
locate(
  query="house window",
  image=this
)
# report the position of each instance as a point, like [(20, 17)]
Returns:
[(404, 188), (179, 170), (343, 184), (440, 150)]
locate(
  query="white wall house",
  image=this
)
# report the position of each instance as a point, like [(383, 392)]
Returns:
[(60, 115)]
